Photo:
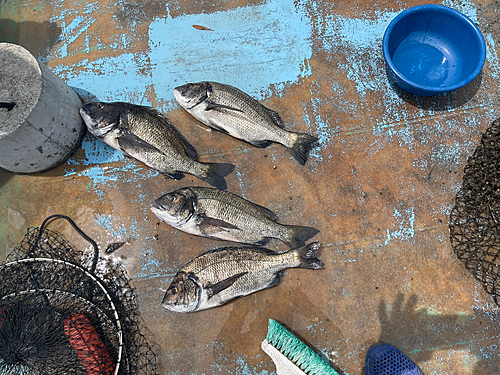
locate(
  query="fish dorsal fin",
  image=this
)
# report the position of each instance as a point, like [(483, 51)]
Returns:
[(190, 149), (214, 289), (268, 212), (158, 113), (220, 249), (234, 248), (276, 117), (235, 202)]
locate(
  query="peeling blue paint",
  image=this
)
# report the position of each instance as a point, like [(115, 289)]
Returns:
[(257, 48), (405, 218), (97, 152), (104, 221), (492, 57), (98, 156), (260, 33), (243, 368), (239, 176), (252, 47), (116, 230)]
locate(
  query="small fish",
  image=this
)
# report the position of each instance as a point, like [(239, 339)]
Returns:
[(222, 215), (147, 136), (112, 247), (221, 275), (199, 27), (231, 111)]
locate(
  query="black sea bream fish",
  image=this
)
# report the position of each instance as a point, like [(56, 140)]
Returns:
[(231, 111), (221, 275), (219, 214), (146, 135)]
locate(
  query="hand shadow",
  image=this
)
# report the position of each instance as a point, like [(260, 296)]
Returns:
[(418, 332)]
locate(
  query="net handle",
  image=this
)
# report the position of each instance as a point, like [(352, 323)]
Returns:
[(75, 227)]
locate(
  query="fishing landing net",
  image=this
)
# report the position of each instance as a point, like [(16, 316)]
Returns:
[(66, 312), (475, 219)]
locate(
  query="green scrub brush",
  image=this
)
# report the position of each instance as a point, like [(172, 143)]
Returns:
[(290, 355)]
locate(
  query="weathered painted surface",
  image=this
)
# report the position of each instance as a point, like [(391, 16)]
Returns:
[(379, 186)]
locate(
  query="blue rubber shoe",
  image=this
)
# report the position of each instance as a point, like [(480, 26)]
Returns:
[(385, 359)]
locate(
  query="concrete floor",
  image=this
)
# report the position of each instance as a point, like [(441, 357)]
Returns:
[(380, 185)]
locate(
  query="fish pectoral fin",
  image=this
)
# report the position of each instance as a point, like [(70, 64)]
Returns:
[(189, 147), (217, 107), (218, 128), (132, 144), (209, 224), (212, 290), (270, 214)]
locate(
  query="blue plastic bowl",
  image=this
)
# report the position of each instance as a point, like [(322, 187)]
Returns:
[(430, 49)]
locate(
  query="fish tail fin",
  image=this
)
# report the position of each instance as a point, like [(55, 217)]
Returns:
[(301, 147), (307, 256), (299, 235), (215, 173)]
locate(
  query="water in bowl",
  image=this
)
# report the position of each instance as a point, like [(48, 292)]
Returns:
[(425, 63)]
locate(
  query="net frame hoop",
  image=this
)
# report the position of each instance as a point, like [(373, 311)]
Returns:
[(96, 280)]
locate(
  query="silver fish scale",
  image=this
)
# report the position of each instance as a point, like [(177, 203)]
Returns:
[(253, 123), (211, 268), (241, 213), (157, 131)]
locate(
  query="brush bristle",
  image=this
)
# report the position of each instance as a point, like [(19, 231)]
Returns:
[(296, 351)]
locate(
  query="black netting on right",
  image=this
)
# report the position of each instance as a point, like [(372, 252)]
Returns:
[(475, 219)]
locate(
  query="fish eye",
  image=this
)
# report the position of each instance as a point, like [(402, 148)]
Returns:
[(173, 198), (100, 105), (174, 290)]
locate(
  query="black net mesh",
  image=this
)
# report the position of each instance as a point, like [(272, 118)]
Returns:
[(66, 312), (475, 219)]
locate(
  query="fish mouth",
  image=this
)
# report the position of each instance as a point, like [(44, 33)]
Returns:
[(179, 307), (157, 205), (182, 90), (174, 308), (93, 123), (181, 95), (89, 121), (161, 212)]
